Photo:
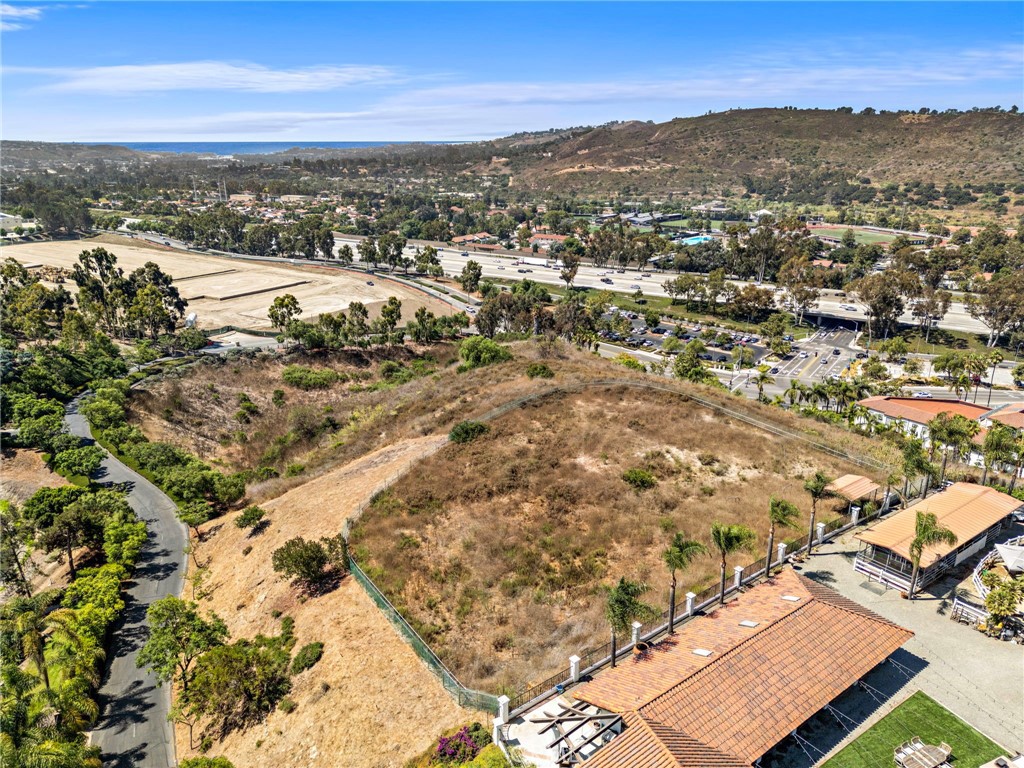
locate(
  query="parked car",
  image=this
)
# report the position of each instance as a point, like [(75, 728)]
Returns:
[(804, 354), (836, 352), (774, 370), (862, 355), (369, 282)]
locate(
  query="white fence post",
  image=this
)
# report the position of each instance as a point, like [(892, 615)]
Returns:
[(821, 533), (574, 668), (689, 603), (496, 732), (782, 553), (738, 577), (503, 702), (636, 632)]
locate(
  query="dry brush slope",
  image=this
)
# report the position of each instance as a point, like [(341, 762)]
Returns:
[(382, 705), (498, 549)]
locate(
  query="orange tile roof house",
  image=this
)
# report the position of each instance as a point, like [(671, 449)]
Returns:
[(730, 685), (912, 414), (974, 513)]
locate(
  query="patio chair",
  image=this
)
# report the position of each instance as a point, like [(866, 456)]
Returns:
[(945, 749), (916, 743)]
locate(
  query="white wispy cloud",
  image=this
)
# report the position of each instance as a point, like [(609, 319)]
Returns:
[(207, 76), (22, 13)]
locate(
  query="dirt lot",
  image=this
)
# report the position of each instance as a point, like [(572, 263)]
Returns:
[(498, 548), (369, 702), (225, 291)]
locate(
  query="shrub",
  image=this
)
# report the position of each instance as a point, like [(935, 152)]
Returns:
[(308, 561), (307, 656), (206, 762), (478, 351), (467, 431), (287, 706), (309, 378), (250, 517), (294, 470), (639, 479), (461, 747), (79, 461), (539, 371), (630, 362)]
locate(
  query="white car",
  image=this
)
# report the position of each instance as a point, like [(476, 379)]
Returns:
[(922, 394), (804, 354)]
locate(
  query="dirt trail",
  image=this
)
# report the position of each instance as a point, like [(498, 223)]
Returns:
[(381, 705)]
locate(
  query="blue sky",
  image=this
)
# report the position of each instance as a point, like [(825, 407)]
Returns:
[(294, 71)]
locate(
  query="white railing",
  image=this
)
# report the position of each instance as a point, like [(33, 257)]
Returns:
[(985, 563), (881, 573)]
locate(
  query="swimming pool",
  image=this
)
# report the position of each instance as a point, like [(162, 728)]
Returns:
[(697, 240)]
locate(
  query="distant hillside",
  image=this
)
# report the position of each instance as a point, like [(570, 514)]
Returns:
[(724, 149), (781, 154)]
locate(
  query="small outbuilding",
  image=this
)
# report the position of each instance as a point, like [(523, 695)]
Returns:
[(974, 513)]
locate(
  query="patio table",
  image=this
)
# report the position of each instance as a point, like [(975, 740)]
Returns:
[(926, 756)]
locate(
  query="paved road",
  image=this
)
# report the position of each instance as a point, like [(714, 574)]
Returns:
[(133, 729)]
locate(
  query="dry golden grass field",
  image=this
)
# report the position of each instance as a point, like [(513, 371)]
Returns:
[(497, 549), (225, 291)]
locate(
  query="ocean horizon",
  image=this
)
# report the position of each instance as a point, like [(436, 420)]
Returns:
[(225, 148)]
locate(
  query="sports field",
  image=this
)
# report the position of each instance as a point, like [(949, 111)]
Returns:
[(863, 236), (225, 291)]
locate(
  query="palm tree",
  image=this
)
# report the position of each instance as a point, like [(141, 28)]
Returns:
[(728, 539), (678, 556), (780, 513), (818, 488), (29, 620), (998, 448), (958, 383), (761, 380), (927, 533), (938, 433), (796, 393), (1018, 459), (624, 607), (915, 463)]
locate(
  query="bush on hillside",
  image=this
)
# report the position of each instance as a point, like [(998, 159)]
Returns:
[(478, 351), (309, 378), (539, 371), (307, 656), (467, 431)]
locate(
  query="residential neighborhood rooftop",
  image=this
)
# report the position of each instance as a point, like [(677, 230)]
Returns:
[(922, 410)]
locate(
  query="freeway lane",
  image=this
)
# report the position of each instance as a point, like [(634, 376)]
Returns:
[(133, 729)]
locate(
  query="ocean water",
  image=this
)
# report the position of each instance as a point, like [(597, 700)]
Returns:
[(248, 147)]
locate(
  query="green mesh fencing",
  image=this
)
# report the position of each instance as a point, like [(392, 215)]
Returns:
[(466, 697)]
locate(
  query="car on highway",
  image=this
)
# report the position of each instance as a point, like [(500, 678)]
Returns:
[(607, 280), (804, 354), (500, 267), (922, 394), (464, 254), (167, 242), (836, 352), (522, 271), (621, 271), (634, 287), (646, 274)]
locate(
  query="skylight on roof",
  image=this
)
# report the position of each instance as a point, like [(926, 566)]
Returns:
[(748, 623), (702, 651), (791, 598)]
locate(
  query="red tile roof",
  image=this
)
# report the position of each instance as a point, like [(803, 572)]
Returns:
[(921, 410), (759, 683), (1011, 414)]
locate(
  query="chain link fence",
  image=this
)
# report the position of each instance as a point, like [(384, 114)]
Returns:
[(466, 697)]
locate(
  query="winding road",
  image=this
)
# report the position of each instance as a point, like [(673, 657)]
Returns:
[(133, 729)]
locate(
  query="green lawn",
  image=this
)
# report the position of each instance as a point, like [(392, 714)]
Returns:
[(862, 236), (941, 340), (918, 716)]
